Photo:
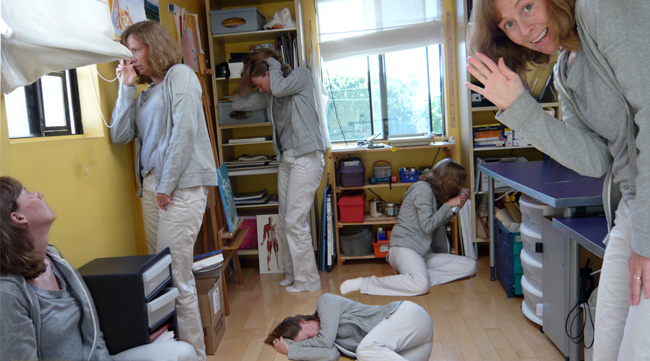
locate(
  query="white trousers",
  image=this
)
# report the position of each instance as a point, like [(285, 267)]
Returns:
[(406, 335), (416, 273), (159, 351), (621, 330), (177, 228), (298, 179)]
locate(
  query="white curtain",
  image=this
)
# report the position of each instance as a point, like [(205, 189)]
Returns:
[(42, 36), (369, 27)]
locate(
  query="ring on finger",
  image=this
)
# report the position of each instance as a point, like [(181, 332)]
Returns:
[(636, 277)]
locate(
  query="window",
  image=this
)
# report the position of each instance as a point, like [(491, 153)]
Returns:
[(395, 93), (49, 106)]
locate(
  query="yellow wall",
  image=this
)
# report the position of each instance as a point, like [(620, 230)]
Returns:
[(89, 182), (86, 179)]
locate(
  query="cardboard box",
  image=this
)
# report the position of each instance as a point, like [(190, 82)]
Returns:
[(213, 333), (210, 295), (236, 20)]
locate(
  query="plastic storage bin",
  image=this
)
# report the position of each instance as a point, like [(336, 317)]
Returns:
[(407, 175), (532, 295), (380, 248), (508, 263), (532, 268), (531, 313), (381, 169), (236, 20), (351, 207), (161, 307), (530, 239), (351, 172), (356, 241), (533, 211), (229, 116)]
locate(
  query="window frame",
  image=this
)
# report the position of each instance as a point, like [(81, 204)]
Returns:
[(383, 96), (72, 107)]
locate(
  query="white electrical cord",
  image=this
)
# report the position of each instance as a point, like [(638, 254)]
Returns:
[(94, 68)]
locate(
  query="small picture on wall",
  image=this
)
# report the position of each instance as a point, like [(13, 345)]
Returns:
[(270, 243)]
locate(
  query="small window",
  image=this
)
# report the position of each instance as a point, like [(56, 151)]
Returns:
[(395, 93), (48, 107)]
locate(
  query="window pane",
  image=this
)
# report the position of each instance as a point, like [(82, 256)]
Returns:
[(17, 119), (408, 92), (348, 112), (436, 86), (53, 101)]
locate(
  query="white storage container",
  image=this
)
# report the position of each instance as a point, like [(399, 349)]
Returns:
[(533, 296), (530, 313), (156, 275), (162, 306), (529, 239), (532, 212), (532, 268)]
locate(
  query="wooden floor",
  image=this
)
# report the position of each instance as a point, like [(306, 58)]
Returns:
[(473, 319)]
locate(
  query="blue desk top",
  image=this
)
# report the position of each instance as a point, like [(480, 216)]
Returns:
[(589, 232), (549, 182)]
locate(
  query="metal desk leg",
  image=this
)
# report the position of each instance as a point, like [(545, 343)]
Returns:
[(491, 225), (574, 296)]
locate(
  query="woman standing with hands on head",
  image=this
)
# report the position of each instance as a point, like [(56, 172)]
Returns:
[(419, 247), (299, 144), (174, 163), (602, 78)]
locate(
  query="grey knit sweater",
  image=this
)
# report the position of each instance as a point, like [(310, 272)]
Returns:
[(594, 133), (342, 321)]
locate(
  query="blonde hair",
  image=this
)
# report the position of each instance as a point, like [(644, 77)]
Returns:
[(446, 179), (489, 39), (163, 50), (255, 66)]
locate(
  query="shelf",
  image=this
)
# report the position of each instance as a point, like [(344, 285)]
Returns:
[(251, 35), (495, 108), (371, 186), (355, 148), (246, 125), (262, 205), (369, 220), (247, 143), (481, 149), (253, 170), (370, 256)]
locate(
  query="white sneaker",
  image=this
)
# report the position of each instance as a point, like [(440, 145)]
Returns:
[(286, 282)]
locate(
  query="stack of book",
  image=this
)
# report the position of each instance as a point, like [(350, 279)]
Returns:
[(259, 197), (490, 135), (252, 161)]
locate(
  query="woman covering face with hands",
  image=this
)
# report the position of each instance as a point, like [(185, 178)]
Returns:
[(602, 80), (174, 163)]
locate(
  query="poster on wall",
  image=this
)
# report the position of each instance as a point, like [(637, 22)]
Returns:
[(270, 243), (128, 12)]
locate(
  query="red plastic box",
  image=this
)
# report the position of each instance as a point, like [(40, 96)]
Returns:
[(351, 207), (380, 247)]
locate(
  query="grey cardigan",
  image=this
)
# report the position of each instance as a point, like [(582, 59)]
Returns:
[(20, 314), (421, 224), (344, 323), (595, 132), (304, 121), (184, 157)]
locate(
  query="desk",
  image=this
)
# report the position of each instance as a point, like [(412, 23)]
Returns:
[(555, 185), (588, 232)]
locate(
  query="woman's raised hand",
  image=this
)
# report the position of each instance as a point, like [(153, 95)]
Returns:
[(501, 85), (126, 72)]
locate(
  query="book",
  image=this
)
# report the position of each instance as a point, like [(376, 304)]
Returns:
[(250, 195), (261, 200), (154, 335), (228, 203)]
